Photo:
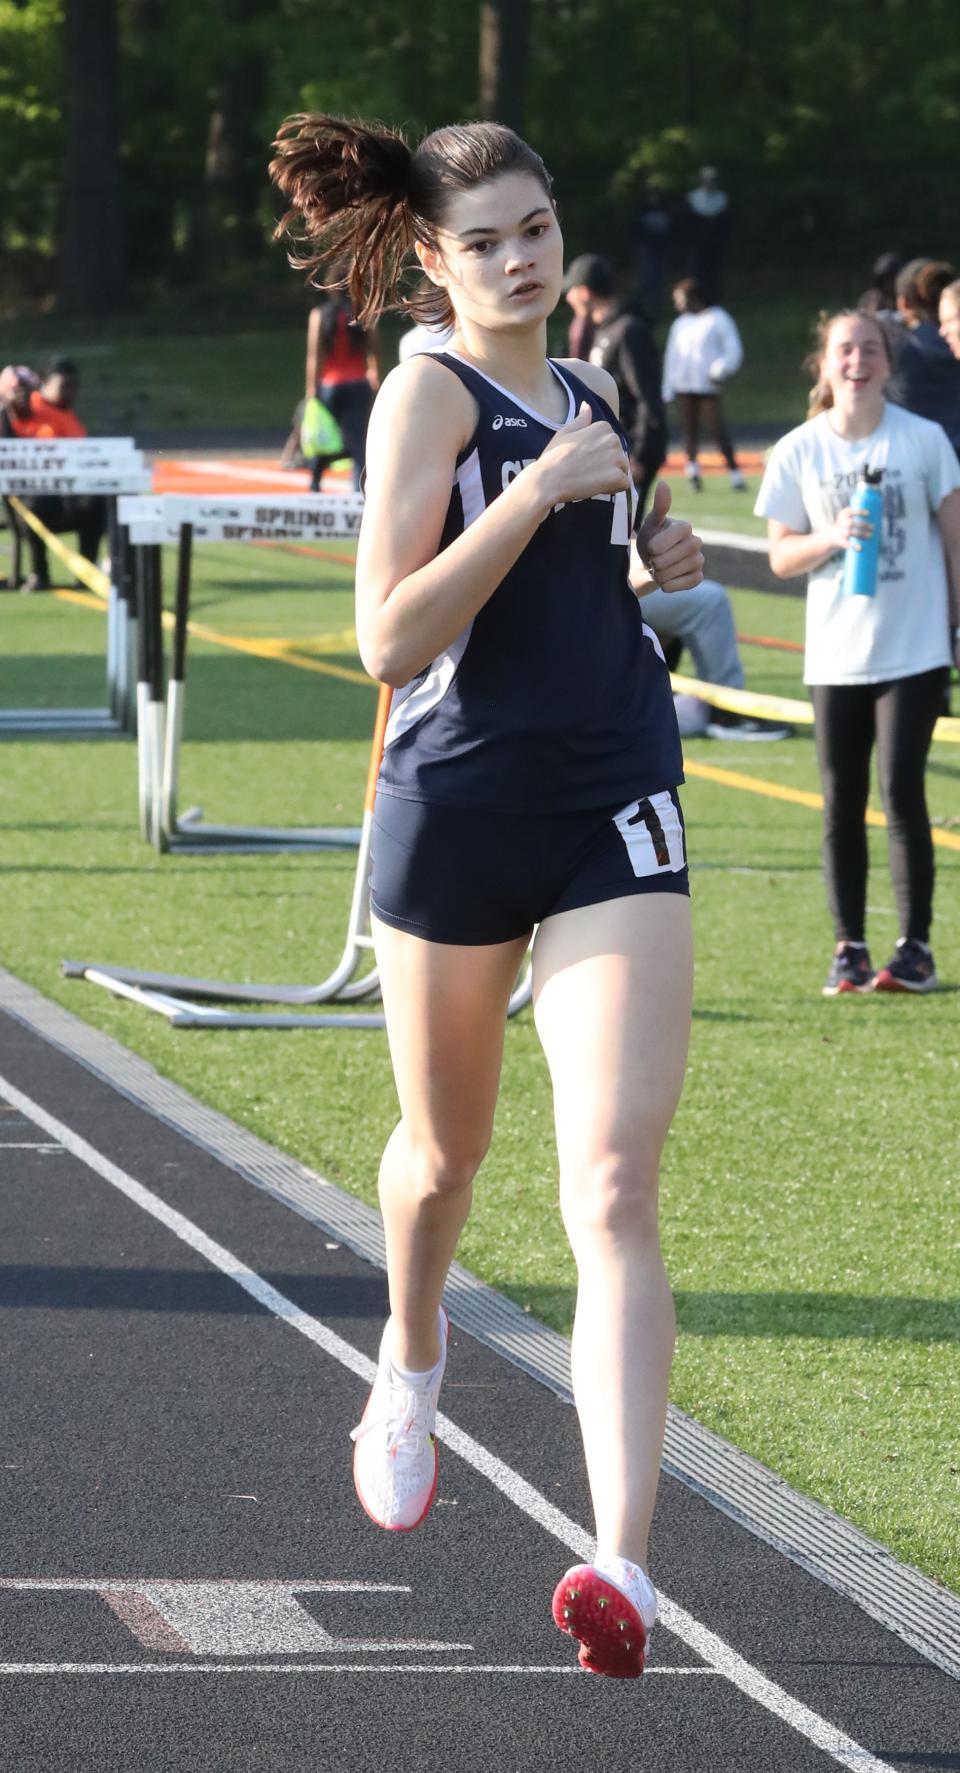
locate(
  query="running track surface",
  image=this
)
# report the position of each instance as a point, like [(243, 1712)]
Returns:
[(187, 1581)]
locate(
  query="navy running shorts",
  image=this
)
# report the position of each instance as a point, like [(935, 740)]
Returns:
[(456, 874)]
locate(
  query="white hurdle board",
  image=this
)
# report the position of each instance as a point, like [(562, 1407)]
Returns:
[(285, 517), (183, 520), (32, 467), (79, 465)]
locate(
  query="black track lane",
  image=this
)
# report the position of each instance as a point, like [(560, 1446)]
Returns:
[(146, 1399)]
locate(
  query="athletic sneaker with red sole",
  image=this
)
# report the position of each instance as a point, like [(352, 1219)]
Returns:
[(613, 1625), (911, 969), (850, 971), (395, 1459)]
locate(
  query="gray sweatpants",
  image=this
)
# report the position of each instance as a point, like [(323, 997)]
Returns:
[(703, 620)]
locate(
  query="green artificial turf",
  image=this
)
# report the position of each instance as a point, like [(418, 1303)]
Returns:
[(717, 506), (811, 1179)]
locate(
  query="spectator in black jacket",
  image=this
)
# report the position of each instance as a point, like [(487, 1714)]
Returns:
[(926, 375), (623, 344), (880, 299)]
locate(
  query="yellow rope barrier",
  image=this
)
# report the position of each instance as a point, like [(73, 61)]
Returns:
[(759, 707)]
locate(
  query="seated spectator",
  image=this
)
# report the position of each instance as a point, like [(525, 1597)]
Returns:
[(52, 415), (17, 383), (926, 375), (702, 620)]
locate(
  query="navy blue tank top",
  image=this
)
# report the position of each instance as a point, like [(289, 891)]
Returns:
[(556, 697)]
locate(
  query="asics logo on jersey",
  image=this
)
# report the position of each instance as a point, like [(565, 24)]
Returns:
[(505, 419)]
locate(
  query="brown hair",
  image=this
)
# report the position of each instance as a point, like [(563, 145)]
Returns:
[(359, 196), (693, 293), (821, 394), (922, 282)]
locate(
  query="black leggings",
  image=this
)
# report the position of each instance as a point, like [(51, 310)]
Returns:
[(646, 466), (901, 716), (86, 514), (691, 406), (350, 403)]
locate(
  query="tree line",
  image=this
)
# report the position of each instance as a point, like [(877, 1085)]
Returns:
[(134, 134)]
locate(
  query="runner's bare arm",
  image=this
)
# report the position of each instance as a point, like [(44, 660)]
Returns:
[(411, 601), (314, 352)]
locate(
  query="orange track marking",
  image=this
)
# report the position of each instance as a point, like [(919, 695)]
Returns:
[(783, 646)]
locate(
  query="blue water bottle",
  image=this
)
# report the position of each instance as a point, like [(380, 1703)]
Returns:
[(860, 563)]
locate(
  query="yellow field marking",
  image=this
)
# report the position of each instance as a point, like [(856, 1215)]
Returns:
[(277, 651), (949, 840), (85, 599), (343, 641)]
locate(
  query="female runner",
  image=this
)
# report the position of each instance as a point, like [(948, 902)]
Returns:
[(877, 666), (529, 780)]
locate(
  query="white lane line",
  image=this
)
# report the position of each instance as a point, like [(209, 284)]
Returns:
[(27, 1145), (705, 1643), (337, 1668), (136, 1585)]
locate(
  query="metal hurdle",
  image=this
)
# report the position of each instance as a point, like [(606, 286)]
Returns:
[(185, 520), (80, 465), (173, 996), (195, 1002)]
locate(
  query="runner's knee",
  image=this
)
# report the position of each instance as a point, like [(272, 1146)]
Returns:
[(444, 1167), (611, 1196)]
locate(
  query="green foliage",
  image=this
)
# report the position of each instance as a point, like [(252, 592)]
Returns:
[(31, 138), (833, 127)]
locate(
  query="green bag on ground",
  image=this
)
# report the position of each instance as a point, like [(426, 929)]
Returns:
[(320, 435)]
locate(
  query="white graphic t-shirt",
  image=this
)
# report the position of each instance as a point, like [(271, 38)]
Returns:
[(904, 628)]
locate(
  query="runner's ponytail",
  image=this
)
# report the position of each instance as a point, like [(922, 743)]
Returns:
[(346, 184)]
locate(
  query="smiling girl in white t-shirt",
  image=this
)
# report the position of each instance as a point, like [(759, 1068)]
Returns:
[(877, 666)]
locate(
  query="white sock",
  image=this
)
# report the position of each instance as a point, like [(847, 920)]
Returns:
[(407, 1377), (632, 1580)]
